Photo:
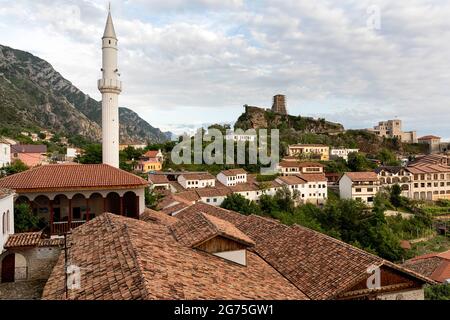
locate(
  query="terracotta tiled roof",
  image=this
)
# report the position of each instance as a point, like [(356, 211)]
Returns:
[(243, 187), (158, 217), (198, 227), (362, 176), (28, 148), (427, 168), (189, 195), (233, 172), (198, 176), (151, 154), (158, 178), (27, 239), (320, 266), (313, 177), (429, 137), (174, 208), (71, 177), (122, 258), (300, 164), (30, 239), (213, 192), (435, 265), (178, 187), (291, 180)]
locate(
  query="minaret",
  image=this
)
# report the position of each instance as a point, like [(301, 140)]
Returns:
[(110, 87)]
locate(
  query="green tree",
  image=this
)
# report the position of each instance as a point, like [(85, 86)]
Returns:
[(151, 198), (358, 162), (92, 154), (388, 158), (268, 204), (24, 219), (437, 292), (131, 153), (285, 199), (237, 202), (395, 195), (15, 167)]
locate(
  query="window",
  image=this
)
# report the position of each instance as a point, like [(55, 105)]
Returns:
[(358, 190), (4, 222), (370, 199)]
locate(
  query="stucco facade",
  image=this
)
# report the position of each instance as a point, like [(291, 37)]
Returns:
[(6, 216), (5, 154)]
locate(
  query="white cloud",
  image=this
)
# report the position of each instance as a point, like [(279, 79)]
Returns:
[(187, 62)]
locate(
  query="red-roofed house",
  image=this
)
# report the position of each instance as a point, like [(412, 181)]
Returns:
[(289, 167), (68, 195), (362, 186), (30, 154), (435, 266)]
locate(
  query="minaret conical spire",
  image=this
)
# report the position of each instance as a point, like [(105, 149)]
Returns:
[(109, 28), (110, 86)]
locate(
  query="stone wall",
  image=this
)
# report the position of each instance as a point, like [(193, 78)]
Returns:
[(39, 260), (415, 294)]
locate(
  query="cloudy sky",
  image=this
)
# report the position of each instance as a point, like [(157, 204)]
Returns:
[(191, 63)]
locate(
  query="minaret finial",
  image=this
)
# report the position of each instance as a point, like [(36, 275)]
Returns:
[(109, 6)]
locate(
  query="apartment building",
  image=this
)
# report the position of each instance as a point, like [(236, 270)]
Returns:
[(430, 182), (288, 167), (232, 177), (391, 175), (196, 180), (362, 186), (393, 129), (342, 153), (310, 151), (311, 188)]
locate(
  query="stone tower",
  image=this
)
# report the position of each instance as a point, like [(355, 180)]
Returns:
[(110, 86), (279, 104)]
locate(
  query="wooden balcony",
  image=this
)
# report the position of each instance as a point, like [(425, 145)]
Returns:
[(62, 227)]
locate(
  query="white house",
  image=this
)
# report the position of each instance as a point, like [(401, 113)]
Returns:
[(316, 188), (362, 186), (213, 196), (312, 188), (6, 215), (232, 177), (196, 180), (248, 190), (391, 175), (5, 153), (342, 153)]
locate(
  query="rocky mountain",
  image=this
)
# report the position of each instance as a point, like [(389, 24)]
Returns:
[(298, 129), (35, 96), (256, 118)]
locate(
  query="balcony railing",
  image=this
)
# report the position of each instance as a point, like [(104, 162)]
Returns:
[(62, 227), (109, 84)]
